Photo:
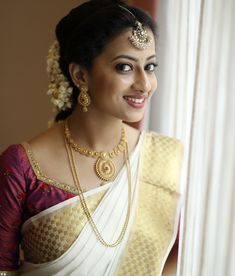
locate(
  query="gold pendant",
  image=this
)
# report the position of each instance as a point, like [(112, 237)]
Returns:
[(104, 167)]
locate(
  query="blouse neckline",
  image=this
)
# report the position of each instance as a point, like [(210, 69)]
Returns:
[(51, 181), (41, 176)]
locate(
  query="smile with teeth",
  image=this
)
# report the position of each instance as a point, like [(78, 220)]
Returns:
[(134, 100)]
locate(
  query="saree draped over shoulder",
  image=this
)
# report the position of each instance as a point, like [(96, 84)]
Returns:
[(60, 240)]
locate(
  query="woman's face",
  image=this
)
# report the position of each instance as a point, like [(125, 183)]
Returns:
[(123, 79)]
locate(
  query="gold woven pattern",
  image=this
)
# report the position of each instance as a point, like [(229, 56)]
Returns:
[(52, 235), (156, 211)]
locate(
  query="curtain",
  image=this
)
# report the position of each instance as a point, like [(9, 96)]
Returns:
[(195, 101)]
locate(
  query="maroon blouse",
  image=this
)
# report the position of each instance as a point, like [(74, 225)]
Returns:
[(22, 196)]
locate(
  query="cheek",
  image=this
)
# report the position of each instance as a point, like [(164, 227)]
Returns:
[(111, 85), (154, 84), (102, 88), (98, 85)]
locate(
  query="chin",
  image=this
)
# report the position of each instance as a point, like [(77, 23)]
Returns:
[(134, 119)]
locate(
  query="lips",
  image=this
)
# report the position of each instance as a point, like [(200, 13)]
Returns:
[(135, 101)]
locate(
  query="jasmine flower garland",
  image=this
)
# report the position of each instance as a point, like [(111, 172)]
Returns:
[(59, 88)]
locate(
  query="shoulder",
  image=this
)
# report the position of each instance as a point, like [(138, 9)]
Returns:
[(47, 147), (48, 141), (14, 168), (13, 155)]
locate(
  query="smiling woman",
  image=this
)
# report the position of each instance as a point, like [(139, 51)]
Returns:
[(121, 80), (92, 195)]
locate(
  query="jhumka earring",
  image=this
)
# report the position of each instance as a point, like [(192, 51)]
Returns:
[(84, 99)]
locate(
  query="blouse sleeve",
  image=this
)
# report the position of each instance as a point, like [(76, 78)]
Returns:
[(12, 195)]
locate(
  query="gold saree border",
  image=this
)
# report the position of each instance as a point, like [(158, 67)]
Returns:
[(51, 235), (154, 223)]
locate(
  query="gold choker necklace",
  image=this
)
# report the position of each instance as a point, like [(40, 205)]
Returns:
[(104, 166)]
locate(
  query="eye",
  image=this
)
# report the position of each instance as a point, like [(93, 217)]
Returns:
[(123, 67), (151, 67)]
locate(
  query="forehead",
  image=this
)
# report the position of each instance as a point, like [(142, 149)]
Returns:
[(121, 45)]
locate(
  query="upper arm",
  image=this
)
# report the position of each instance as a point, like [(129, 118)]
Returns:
[(12, 195)]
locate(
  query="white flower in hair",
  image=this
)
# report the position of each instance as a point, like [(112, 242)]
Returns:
[(59, 88)]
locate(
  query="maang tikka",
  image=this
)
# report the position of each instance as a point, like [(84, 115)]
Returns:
[(139, 38), (84, 98)]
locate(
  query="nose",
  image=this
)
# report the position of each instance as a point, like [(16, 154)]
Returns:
[(142, 82)]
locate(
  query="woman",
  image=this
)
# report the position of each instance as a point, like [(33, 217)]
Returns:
[(92, 195)]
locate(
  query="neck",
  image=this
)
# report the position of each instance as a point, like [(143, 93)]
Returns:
[(95, 133)]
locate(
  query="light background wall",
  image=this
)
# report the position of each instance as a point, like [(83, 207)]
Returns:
[(26, 31)]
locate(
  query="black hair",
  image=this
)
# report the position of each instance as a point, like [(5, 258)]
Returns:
[(85, 31)]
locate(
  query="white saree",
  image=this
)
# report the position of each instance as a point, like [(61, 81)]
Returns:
[(60, 241), (87, 256)]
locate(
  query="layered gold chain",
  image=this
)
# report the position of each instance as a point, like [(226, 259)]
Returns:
[(83, 201), (104, 167)]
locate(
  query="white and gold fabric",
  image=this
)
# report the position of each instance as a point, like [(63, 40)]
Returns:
[(60, 241)]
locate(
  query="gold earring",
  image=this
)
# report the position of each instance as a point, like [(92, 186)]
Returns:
[(84, 99)]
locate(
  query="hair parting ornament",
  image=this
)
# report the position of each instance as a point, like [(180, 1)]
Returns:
[(139, 38)]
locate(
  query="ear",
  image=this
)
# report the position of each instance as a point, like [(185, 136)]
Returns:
[(78, 75)]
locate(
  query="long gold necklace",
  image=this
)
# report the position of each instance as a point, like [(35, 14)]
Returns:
[(83, 201), (104, 167)]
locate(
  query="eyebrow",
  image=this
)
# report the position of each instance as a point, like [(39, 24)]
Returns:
[(132, 58)]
